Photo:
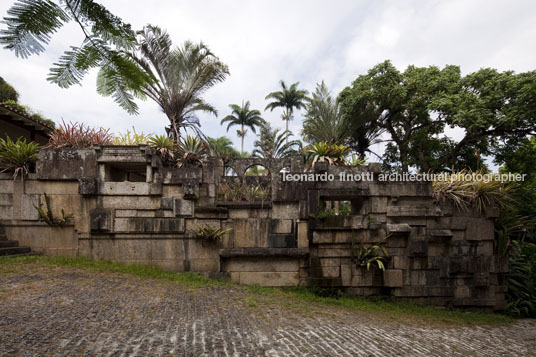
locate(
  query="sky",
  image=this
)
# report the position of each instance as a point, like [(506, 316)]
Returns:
[(306, 41)]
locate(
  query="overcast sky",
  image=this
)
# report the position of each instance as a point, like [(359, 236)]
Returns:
[(307, 41)]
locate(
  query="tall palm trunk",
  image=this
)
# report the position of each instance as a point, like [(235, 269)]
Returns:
[(243, 134)]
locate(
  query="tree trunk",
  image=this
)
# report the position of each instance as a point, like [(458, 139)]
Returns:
[(243, 138)]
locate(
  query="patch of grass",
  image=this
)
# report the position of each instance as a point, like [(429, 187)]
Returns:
[(394, 310), (193, 280)]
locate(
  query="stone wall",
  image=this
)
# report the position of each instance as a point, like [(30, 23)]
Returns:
[(127, 207)]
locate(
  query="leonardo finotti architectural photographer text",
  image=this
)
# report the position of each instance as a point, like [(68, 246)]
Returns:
[(403, 177)]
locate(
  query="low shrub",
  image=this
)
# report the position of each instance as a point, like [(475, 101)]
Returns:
[(132, 138)]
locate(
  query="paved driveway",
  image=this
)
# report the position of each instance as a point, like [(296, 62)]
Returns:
[(65, 311)]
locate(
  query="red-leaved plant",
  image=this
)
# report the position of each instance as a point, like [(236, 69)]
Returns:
[(78, 136)]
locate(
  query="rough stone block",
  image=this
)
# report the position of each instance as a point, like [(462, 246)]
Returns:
[(183, 208), (261, 265), (417, 248), (303, 239), (400, 228), (346, 275), (393, 278), (462, 292), (282, 226), (191, 190), (282, 241)]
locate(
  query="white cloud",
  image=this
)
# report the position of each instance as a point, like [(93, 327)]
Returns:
[(306, 41)]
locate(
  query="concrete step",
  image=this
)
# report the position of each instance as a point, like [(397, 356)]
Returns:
[(14, 251), (8, 243)]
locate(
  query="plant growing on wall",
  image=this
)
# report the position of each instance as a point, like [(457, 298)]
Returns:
[(191, 151), (78, 136), (165, 148), (132, 138), (323, 152), (18, 156), (373, 255), (233, 192), (472, 193), (210, 234), (48, 217)]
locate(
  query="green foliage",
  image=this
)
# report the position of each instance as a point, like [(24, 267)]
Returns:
[(222, 147), (370, 255), (31, 24), (243, 117), (7, 92), (473, 193), (521, 280), (275, 144), (78, 136), (48, 217), (29, 112), (191, 151), (132, 138), (323, 119), (232, 192), (165, 148), (323, 152), (18, 156), (400, 103), (178, 77), (210, 234), (289, 98)]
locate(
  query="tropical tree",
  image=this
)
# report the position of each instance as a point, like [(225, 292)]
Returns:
[(245, 118), (399, 103), (275, 144), (222, 147), (288, 98), (179, 77), (31, 24), (323, 120)]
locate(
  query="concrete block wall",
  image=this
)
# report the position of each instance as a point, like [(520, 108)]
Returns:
[(128, 207)]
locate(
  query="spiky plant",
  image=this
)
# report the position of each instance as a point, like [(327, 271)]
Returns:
[(191, 151), (466, 192), (323, 152), (78, 136), (210, 234), (370, 255), (18, 156), (132, 138), (165, 148)]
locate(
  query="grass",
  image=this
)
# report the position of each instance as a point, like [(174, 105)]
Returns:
[(192, 280), (393, 310), (294, 298)]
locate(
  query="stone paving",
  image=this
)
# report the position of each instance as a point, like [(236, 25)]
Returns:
[(65, 311)]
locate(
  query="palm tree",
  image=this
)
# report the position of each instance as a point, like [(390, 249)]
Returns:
[(323, 119), (275, 144), (245, 117), (180, 76), (222, 147), (289, 98)]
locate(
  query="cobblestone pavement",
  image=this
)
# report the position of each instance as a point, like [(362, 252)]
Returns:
[(65, 311)]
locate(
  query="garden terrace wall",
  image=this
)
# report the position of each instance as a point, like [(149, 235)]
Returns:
[(127, 207)]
